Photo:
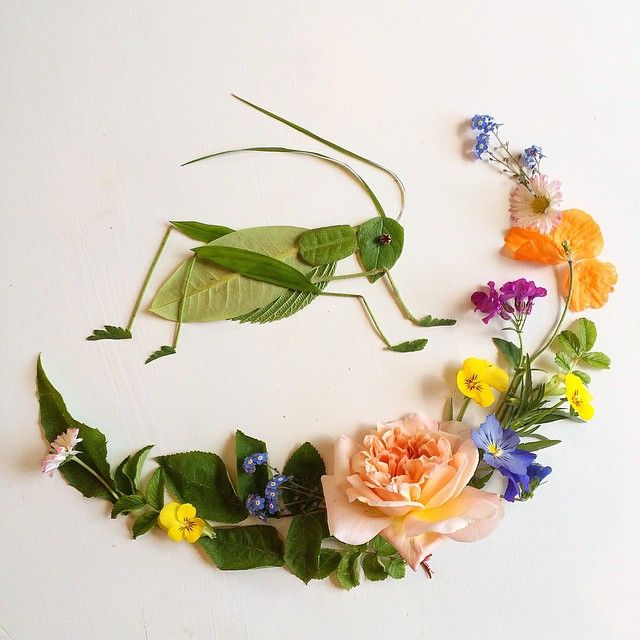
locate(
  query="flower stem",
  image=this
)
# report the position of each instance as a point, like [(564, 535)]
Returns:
[(399, 301), (350, 276), (95, 475), (463, 409)]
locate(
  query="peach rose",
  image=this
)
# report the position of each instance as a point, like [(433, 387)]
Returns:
[(408, 482)]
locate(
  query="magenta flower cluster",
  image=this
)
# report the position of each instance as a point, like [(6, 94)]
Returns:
[(513, 300)]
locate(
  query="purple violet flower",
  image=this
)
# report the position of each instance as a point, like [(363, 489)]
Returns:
[(489, 303), (522, 292)]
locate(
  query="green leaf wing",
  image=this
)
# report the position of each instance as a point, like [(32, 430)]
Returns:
[(327, 244)]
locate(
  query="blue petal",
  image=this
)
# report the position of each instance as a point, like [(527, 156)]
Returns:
[(510, 439)]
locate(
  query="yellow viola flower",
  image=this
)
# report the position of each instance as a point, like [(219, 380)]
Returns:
[(579, 397), (180, 522), (476, 379)]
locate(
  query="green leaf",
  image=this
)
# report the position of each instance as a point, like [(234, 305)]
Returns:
[(478, 482), (448, 410), (409, 346), (144, 523), (250, 482), (302, 547), (238, 548), (585, 377), (587, 333), (307, 468), (383, 547), (214, 293), (509, 350), (327, 244), (396, 568), (200, 231), (563, 361), (374, 253), (373, 568), (570, 343), (257, 266), (430, 321), (538, 444), (328, 563), (348, 572), (164, 350), (123, 484), (133, 466), (155, 489), (596, 359), (110, 333), (55, 419), (290, 301), (202, 479), (126, 504)]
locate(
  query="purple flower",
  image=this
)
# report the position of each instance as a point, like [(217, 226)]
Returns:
[(489, 303), (519, 295), (523, 486), (531, 157)]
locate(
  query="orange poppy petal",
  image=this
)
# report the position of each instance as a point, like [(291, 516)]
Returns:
[(582, 233), (593, 281), (528, 244)]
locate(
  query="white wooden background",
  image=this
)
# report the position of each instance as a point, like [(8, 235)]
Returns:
[(102, 101)]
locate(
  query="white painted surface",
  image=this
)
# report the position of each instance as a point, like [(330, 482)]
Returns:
[(103, 101)]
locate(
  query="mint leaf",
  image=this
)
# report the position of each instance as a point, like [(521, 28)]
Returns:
[(587, 333), (238, 548), (155, 489), (144, 523), (302, 547), (200, 231), (327, 244), (110, 333), (409, 346), (596, 359), (202, 480), (509, 350), (250, 482), (348, 572), (307, 467), (328, 563), (126, 504), (123, 484), (133, 466), (380, 242), (373, 568)]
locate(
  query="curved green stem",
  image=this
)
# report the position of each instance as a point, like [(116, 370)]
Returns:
[(463, 409), (350, 276), (95, 475)]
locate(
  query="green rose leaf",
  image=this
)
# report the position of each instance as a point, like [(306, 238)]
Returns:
[(250, 482), (587, 333), (155, 489), (328, 563), (239, 548), (409, 346), (396, 568), (144, 523), (133, 466), (348, 572), (380, 242), (509, 350), (327, 244), (127, 504), (200, 231), (373, 568), (302, 547), (307, 468), (383, 547), (201, 479), (55, 419), (596, 359)]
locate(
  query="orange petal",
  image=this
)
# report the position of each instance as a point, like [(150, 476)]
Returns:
[(582, 233), (593, 281), (528, 244)]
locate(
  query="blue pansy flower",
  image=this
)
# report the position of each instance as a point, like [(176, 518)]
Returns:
[(524, 486)]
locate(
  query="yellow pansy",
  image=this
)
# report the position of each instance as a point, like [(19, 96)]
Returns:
[(180, 522), (579, 397), (477, 377)]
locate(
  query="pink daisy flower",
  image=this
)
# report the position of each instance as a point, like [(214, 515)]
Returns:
[(537, 208), (61, 448)]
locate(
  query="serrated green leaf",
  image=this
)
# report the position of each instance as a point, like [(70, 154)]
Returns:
[(144, 523), (373, 569), (585, 377), (290, 301), (538, 444), (202, 479), (570, 343), (409, 346), (110, 333), (587, 333), (215, 293), (327, 244), (374, 250), (154, 492), (133, 467), (328, 563), (383, 547), (257, 266), (164, 350), (563, 361), (596, 359), (126, 504), (302, 547), (307, 468), (123, 484), (509, 350), (239, 548), (55, 419), (249, 482), (430, 321), (396, 569), (348, 572), (200, 231)]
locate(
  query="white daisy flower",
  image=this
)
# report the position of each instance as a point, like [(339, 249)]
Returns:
[(61, 448), (538, 208), (67, 440)]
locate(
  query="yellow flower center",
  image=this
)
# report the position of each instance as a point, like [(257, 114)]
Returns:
[(576, 400), (187, 525), (540, 204), (494, 450), (472, 382)]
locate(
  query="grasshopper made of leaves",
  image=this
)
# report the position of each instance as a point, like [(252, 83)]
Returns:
[(263, 274)]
